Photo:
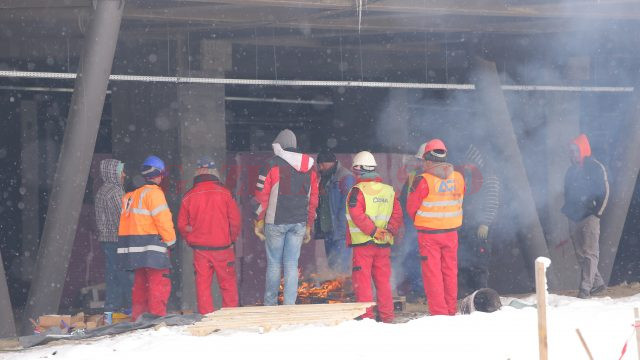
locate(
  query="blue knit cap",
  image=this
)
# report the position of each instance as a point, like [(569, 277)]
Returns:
[(206, 162)]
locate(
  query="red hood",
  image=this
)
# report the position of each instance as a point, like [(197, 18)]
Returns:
[(361, 180), (582, 142), (441, 170)]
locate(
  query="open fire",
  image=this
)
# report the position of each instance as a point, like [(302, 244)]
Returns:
[(315, 291)]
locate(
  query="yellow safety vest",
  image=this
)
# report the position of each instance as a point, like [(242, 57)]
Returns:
[(442, 208), (378, 199)]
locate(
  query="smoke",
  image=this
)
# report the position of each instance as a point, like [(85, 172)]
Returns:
[(585, 52)]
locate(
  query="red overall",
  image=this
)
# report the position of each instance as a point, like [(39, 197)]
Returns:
[(372, 261), (438, 246)]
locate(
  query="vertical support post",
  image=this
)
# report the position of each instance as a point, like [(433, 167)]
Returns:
[(29, 186), (541, 265), (75, 159), (622, 181), (506, 143), (8, 328), (202, 132)]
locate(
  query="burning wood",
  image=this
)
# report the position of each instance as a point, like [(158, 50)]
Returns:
[(333, 291)]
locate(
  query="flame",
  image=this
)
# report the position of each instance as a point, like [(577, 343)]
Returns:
[(311, 291)]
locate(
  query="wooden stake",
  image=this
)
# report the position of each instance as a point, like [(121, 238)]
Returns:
[(636, 312), (584, 344), (541, 295)]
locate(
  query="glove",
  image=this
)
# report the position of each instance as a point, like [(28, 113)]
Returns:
[(483, 232), (382, 235), (307, 235), (258, 229)]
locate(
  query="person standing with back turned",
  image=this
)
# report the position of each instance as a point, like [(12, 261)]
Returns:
[(145, 236), (435, 204), (374, 217)]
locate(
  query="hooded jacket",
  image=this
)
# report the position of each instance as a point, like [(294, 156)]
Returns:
[(108, 201), (420, 189), (287, 188), (586, 187)]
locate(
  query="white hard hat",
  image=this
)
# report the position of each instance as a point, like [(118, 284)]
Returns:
[(364, 160)]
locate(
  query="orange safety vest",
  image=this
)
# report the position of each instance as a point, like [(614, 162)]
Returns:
[(146, 229), (442, 208)]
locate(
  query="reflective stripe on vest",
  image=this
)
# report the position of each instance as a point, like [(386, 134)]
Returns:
[(139, 251), (378, 198), (442, 208)]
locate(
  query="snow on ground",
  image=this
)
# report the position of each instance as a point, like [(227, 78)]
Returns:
[(507, 334)]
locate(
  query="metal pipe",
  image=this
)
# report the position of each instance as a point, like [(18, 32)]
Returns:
[(75, 159), (491, 96), (316, 83), (623, 177)]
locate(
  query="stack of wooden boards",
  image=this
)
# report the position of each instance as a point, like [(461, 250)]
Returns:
[(271, 317)]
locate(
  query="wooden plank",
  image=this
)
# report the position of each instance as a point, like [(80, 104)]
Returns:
[(584, 344), (269, 317), (541, 295)]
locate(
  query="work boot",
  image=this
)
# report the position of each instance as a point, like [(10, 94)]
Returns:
[(583, 294), (598, 290)]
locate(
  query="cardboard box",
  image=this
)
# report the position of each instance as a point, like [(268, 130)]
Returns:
[(79, 325), (91, 325), (98, 320), (79, 317), (48, 321)]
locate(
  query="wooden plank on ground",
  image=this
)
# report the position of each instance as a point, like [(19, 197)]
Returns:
[(270, 317)]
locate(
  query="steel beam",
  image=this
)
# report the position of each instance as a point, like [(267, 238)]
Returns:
[(75, 158), (622, 180), (8, 328), (516, 183)]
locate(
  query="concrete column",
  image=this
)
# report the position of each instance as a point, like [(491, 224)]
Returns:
[(622, 180), (29, 187), (202, 132), (8, 328), (75, 159), (516, 184)]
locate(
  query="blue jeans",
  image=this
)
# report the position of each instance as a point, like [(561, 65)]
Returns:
[(118, 282), (283, 250)]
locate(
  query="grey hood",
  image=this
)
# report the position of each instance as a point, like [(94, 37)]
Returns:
[(287, 139), (109, 171)]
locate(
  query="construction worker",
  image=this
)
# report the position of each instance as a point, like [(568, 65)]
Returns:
[(374, 217), (405, 258), (480, 210), (108, 204), (209, 221), (586, 193), (435, 204), (331, 222), (144, 238), (286, 198)]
